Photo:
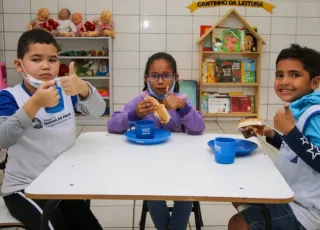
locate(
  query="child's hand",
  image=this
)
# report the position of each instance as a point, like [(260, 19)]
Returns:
[(284, 120), (46, 95), (267, 132), (73, 85), (173, 102), (144, 108)]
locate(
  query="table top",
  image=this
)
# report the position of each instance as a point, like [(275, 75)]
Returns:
[(107, 166)]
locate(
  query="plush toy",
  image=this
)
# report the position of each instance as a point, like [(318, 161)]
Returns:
[(42, 17), (66, 27), (104, 26), (63, 70)]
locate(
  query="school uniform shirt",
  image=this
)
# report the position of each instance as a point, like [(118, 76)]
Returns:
[(299, 160), (34, 144), (187, 120)]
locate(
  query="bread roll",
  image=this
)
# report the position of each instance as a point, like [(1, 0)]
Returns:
[(255, 124), (161, 113)]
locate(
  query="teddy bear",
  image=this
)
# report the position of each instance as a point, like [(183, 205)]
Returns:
[(104, 26), (66, 27)]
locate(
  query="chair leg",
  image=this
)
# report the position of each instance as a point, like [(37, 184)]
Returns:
[(88, 202), (201, 220), (197, 215), (143, 218)]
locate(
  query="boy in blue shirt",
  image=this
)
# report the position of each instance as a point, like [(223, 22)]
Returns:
[(296, 79), (35, 137)]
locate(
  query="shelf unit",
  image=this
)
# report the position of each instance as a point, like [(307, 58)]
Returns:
[(91, 43), (205, 87)]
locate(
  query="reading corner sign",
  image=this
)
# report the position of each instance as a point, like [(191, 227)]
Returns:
[(245, 3)]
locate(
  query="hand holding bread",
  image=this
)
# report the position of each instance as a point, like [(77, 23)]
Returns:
[(159, 110), (145, 107), (253, 127)]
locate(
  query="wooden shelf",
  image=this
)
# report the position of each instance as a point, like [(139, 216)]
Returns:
[(83, 57), (227, 84), (231, 53), (230, 114)]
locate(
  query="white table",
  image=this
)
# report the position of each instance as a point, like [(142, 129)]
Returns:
[(106, 166)]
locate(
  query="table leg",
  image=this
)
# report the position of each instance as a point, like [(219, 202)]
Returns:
[(47, 211)]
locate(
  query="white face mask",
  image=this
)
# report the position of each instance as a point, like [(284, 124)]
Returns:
[(34, 82)]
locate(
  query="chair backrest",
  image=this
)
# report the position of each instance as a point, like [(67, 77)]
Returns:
[(190, 88)]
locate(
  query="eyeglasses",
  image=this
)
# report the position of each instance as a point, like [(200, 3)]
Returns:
[(164, 76)]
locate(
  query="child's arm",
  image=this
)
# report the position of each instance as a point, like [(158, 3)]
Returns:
[(307, 146), (119, 121), (276, 140), (191, 119), (91, 103), (14, 120)]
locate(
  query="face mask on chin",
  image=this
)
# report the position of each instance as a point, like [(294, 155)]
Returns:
[(34, 82)]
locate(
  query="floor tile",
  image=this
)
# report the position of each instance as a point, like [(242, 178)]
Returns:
[(215, 215), (109, 216), (137, 216)]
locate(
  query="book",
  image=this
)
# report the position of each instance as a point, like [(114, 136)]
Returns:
[(228, 70), (241, 104), (251, 43), (248, 71)]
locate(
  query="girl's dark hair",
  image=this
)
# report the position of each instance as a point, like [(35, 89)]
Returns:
[(309, 58), (168, 58)]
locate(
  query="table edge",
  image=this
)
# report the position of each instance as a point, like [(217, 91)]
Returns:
[(150, 197)]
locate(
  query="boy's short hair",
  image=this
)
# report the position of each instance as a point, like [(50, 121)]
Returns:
[(309, 58), (32, 37)]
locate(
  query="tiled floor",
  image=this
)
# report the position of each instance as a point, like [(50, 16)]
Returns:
[(125, 215)]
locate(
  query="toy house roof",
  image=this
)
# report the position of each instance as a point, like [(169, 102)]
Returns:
[(240, 18)]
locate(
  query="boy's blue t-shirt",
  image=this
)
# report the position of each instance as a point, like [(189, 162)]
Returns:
[(312, 125)]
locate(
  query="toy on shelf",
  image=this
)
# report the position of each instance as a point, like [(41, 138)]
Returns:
[(90, 53), (103, 92), (89, 68), (3, 76), (66, 27), (77, 21), (104, 26), (42, 21), (63, 70)]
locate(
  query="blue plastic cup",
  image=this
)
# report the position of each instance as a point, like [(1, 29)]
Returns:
[(144, 129), (60, 106), (225, 150)]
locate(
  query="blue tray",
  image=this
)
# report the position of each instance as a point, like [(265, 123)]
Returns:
[(160, 135), (244, 147)]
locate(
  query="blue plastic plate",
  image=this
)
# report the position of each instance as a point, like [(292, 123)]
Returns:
[(160, 135), (244, 147)]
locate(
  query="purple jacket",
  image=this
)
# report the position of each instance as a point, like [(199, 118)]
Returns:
[(187, 120)]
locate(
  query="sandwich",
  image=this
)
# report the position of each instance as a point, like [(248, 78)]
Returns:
[(255, 124), (161, 112)]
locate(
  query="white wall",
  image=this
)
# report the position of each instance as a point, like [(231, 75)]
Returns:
[(172, 29)]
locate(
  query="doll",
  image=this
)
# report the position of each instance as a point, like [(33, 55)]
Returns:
[(66, 27), (104, 26), (42, 17), (77, 21)]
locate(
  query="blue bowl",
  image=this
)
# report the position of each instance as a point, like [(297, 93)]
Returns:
[(244, 147)]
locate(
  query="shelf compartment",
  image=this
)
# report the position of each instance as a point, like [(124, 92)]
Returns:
[(229, 84)]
